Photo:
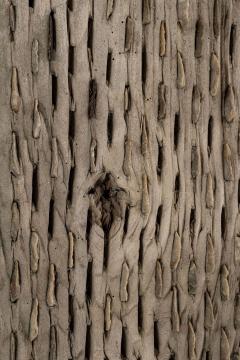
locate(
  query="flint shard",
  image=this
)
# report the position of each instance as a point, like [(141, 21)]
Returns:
[(214, 75), (210, 255), (34, 251), (229, 105), (196, 104), (33, 330), (36, 121), (15, 97), (176, 251), (51, 299), (209, 192), (124, 282), (162, 39), (108, 315), (181, 79), (15, 287)]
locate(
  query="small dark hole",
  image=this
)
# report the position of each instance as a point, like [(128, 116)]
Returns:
[(71, 313), (210, 131), (89, 226), (177, 188), (89, 281), (140, 259), (31, 3), (140, 314), (110, 128), (106, 251), (51, 218), (109, 67), (70, 184), (158, 222), (90, 34), (160, 160), (176, 130), (88, 343), (70, 4), (125, 226), (124, 343), (192, 222), (232, 41), (208, 357), (71, 129), (35, 192), (198, 38), (156, 338), (239, 193), (144, 64), (71, 59), (54, 91), (223, 222), (52, 36)]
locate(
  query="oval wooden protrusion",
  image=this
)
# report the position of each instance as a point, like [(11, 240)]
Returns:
[(191, 342), (33, 329), (175, 314), (36, 121), (210, 255), (214, 75), (70, 250), (51, 299), (124, 282), (209, 192), (224, 346), (224, 284), (161, 101), (54, 164), (108, 315), (15, 167), (129, 31), (162, 39), (196, 104), (176, 251), (145, 195), (227, 163), (229, 105), (192, 279), (35, 56), (15, 97), (209, 315), (34, 251), (15, 287), (181, 79)]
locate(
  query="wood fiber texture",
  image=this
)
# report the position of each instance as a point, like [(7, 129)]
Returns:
[(119, 187)]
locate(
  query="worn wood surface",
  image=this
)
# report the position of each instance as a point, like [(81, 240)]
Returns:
[(119, 188)]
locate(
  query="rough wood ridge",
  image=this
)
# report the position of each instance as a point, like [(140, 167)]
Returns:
[(119, 187)]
